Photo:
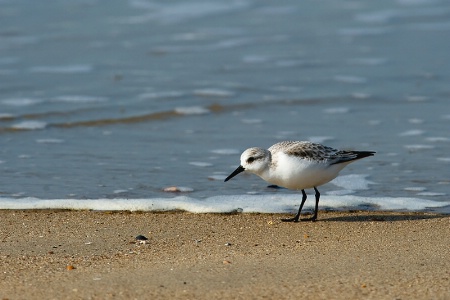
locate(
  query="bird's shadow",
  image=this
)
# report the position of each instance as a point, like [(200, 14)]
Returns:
[(381, 217)]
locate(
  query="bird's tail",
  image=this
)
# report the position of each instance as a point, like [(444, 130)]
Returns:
[(348, 156), (362, 154)]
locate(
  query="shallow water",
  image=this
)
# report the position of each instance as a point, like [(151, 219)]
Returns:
[(120, 101)]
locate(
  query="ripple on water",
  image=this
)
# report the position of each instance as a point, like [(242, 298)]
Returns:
[(67, 69), (251, 121), (415, 121), (362, 31), (417, 147), (6, 116), (218, 177), (417, 98), (336, 110), (435, 139), (21, 101), (49, 141), (415, 188), (160, 95), (412, 132), (29, 125), (200, 164), (192, 110), (213, 93), (350, 79), (431, 194), (444, 159), (80, 99), (226, 151)]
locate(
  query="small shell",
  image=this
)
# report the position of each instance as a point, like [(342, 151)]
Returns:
[(141, 239), (178, 189)]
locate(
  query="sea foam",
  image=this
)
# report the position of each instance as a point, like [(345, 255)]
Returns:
[(255, 203)]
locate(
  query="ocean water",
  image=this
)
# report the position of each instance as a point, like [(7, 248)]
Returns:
[(147, 105)]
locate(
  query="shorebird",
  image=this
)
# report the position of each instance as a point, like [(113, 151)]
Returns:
[(298, 166)]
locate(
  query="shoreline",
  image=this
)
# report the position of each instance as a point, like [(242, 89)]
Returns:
[(46, 254)]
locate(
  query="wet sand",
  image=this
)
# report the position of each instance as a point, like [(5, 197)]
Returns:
[(351, 255)]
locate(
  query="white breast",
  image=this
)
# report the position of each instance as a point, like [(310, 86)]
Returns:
[(295, 173)]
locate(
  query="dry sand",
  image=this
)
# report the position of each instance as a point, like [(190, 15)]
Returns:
[(93, 255)]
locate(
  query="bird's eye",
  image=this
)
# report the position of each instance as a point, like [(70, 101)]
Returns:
[(250, 160)]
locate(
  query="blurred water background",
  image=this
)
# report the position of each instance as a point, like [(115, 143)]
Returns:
[(104, 104)]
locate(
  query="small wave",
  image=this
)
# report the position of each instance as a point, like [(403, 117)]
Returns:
[(218, 177), (69, 69), (5, 116), (417, 98), (352, 182), (360, 95), (415, 121), (252, 121), (226, 151), (192, 110), (362, 31), (433, 26), (431, 194), (336, 110), (171, 13), (160, 95), (200, 164), (435, 139), (49, 141), (444, 159), (378, 16), (80, 99), (213, 93), (418, 147), (279, 203), (21, 101), (415, 2), (29, 125), (412, 132), (350, 79), (415, 189)]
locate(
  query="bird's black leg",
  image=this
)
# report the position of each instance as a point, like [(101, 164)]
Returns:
[(316, 210), (297, 216)]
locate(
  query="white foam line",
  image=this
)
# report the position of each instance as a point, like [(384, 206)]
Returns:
[(280, 203)]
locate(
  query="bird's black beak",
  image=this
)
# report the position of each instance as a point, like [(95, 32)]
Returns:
[(237, 171)]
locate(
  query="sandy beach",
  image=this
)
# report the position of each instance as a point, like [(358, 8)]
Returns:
[(351, 255)]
